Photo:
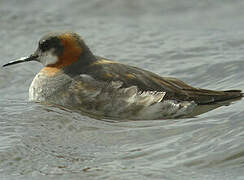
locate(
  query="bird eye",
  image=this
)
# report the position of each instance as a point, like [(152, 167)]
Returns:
[(44, 45), (51, 43)]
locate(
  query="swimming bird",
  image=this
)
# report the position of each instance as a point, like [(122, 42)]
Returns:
[(74, 77)]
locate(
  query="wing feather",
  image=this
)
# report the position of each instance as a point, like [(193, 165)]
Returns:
[(147, 81)]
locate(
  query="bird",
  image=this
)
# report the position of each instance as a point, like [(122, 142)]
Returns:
[(73, 77)]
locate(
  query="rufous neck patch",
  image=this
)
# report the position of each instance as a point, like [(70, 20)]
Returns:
[(71, 52)]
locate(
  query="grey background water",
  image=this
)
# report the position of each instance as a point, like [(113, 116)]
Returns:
[(200, 42)]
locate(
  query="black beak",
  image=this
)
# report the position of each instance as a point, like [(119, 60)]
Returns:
[(23, 59)]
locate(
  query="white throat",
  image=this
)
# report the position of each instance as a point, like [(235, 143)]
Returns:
[(48, 58)]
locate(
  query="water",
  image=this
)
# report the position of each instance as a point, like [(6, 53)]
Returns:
[(201, 43)]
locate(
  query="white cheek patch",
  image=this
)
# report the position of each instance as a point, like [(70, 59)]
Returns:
[(47, 58)]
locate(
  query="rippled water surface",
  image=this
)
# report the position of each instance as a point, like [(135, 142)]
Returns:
[(199, 42)]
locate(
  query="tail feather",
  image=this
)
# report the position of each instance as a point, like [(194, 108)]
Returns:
[(204, 96), (238, 93), (225, 99), (229, 95)]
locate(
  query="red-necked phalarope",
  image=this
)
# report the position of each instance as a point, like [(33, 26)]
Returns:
[(74, 77)]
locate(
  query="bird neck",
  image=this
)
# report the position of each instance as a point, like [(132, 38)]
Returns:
[(85, 59)]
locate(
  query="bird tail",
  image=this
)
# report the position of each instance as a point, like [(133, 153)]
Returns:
[(230, 95), (205, 97), (221, 98)]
